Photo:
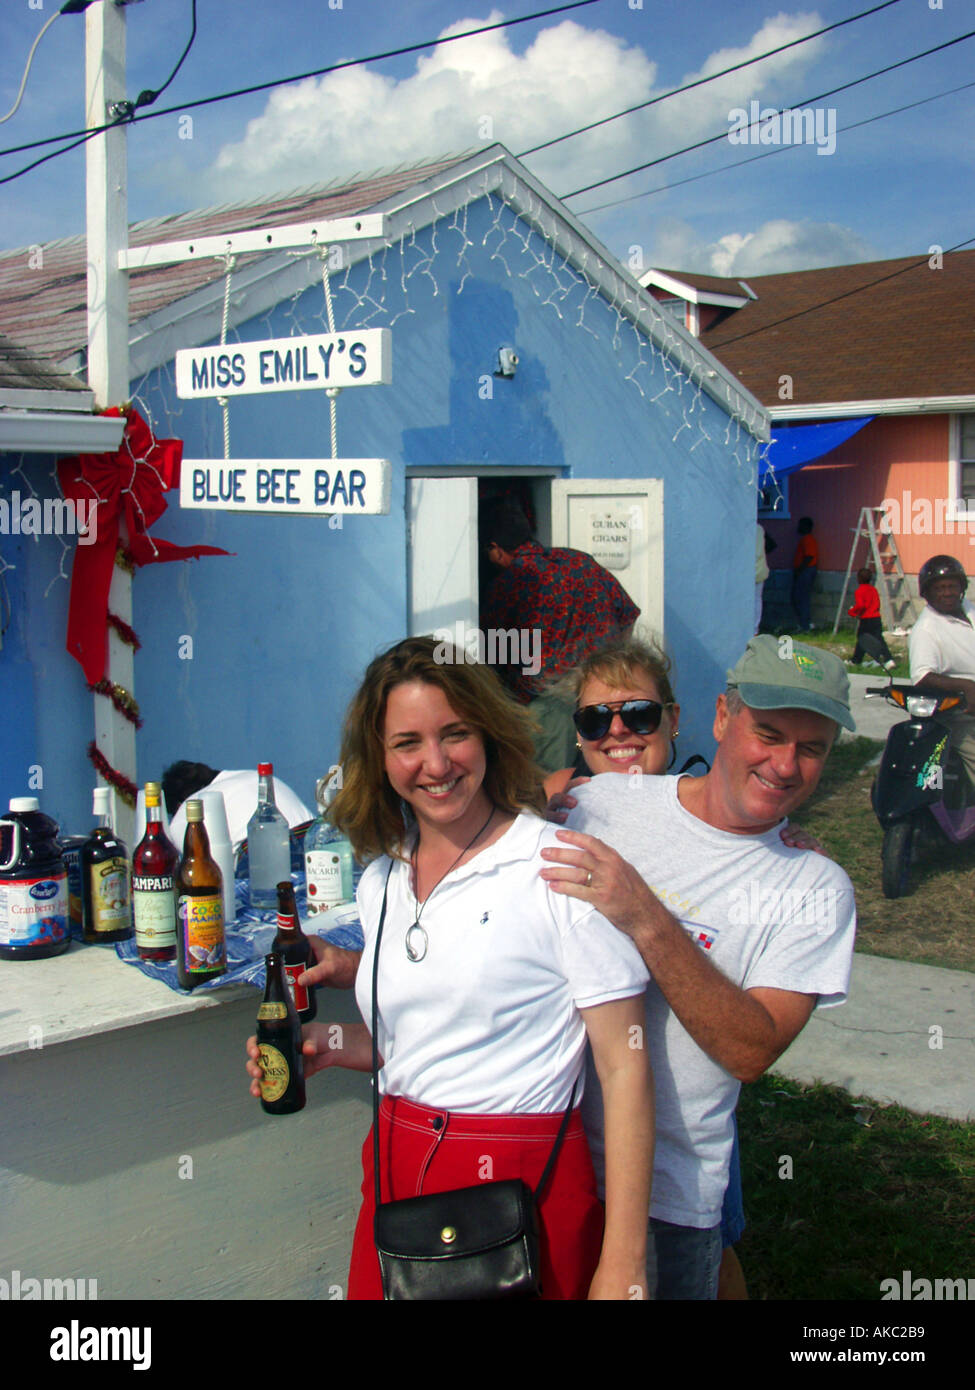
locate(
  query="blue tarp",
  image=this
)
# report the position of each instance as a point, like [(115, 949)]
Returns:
[(793, 446)]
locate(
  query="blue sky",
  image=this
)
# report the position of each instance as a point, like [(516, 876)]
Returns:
[(890, 188)]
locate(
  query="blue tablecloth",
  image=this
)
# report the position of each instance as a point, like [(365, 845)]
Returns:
[(249, 938)]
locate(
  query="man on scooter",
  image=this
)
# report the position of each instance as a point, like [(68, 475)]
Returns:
[(942, 650)]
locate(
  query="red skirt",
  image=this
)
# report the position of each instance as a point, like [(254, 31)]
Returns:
[(423, 1151)]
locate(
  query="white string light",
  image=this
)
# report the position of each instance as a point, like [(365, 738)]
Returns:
[(526, 244)]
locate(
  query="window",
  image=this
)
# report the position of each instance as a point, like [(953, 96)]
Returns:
[(773, 499), (961, 467), (966, 456)]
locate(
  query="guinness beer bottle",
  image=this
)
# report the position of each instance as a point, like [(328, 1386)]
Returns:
[(279, 1042), (294, 945)]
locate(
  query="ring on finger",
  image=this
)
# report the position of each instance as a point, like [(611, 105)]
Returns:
[(588, 883)]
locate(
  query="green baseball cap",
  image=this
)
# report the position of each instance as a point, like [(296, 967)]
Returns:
[(780, 673)]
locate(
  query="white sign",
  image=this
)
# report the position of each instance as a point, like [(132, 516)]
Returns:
[(363, 357), (302, 487), (610, 543)]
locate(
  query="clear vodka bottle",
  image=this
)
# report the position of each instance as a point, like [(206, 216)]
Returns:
[(268, 851)]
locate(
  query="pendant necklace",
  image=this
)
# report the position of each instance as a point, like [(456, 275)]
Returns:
[(416, 937)]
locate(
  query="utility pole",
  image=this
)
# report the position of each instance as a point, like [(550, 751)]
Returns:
[(108, 336)]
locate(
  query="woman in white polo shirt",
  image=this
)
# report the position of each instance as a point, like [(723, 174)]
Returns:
[(488, 985)]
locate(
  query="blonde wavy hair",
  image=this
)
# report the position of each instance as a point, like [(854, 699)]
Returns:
[(617, 663), (367, 809)]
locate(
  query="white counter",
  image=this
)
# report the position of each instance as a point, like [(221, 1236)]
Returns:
[(132, 1153)]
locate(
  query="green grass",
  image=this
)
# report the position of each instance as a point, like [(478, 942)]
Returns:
[(874, 1190), (843, 642)]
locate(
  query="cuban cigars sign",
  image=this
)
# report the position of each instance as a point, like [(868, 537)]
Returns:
[(360, 358), (309, 487)]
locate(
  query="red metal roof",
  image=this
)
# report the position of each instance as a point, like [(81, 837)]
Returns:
[(43, 307)]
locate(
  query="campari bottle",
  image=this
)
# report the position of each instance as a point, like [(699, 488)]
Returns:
[(154, 867)]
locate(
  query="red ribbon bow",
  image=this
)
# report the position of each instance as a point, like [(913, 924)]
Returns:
[(129, 484)]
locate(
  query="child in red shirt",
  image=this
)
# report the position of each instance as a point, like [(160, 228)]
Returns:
[(866, 607)]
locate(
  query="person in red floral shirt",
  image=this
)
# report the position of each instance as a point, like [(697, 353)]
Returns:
[(567, 602)]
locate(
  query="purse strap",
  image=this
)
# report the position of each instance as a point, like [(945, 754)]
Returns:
[(546, 1174)]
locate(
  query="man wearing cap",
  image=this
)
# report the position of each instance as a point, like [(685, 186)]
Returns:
[(742, 935), (942, 651)]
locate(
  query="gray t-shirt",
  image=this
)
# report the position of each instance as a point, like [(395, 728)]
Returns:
[(769, 917)]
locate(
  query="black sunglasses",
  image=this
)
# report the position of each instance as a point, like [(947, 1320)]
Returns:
[(639, 716)]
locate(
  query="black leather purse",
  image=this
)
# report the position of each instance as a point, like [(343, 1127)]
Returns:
[(476, 1242)]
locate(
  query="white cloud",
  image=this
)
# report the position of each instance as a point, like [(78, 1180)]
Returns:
[(776, 246), (463, 94), (782, 245), (479, 90)]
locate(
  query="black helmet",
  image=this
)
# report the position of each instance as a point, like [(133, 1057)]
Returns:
[(940, 567)]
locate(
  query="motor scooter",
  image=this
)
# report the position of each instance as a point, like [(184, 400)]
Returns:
[(921, 788)]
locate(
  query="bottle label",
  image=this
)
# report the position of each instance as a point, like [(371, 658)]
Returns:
[(34, 911), (298, 992), (277, 1073), (272, 1011), (323, 876), (111, 908), (201, 932), (154, 910), (72, 863)]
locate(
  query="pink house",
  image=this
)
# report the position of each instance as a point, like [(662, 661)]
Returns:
[(888, 343)]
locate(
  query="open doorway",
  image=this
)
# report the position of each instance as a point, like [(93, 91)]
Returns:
[(533, 496), (618, 521), (447, 570)]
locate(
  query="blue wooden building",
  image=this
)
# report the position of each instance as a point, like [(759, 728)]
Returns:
[(524, 357)]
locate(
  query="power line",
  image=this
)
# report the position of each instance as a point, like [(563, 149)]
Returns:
[(285, 81), (702, 81), (30, 59), (126, 109), (766, 154), (712, 139)]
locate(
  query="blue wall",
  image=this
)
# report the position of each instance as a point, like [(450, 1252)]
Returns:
[(283, 629)]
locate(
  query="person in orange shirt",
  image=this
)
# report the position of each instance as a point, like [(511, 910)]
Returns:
[(805, 563), (866, 607)]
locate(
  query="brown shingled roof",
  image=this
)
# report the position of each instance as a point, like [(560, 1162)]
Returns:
[(21, 370), (44, 309), (912, 333)]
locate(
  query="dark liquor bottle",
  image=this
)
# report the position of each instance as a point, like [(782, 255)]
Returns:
[(279, 1041), (294, 945), (201, 952), (106, 903), (154, 865)]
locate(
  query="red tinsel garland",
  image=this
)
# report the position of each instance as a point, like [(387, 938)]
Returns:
[(124, 631), (127, 790), (123, 701)]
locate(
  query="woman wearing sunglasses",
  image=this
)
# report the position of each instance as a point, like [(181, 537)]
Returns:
[(488, 984), (626, 718)]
